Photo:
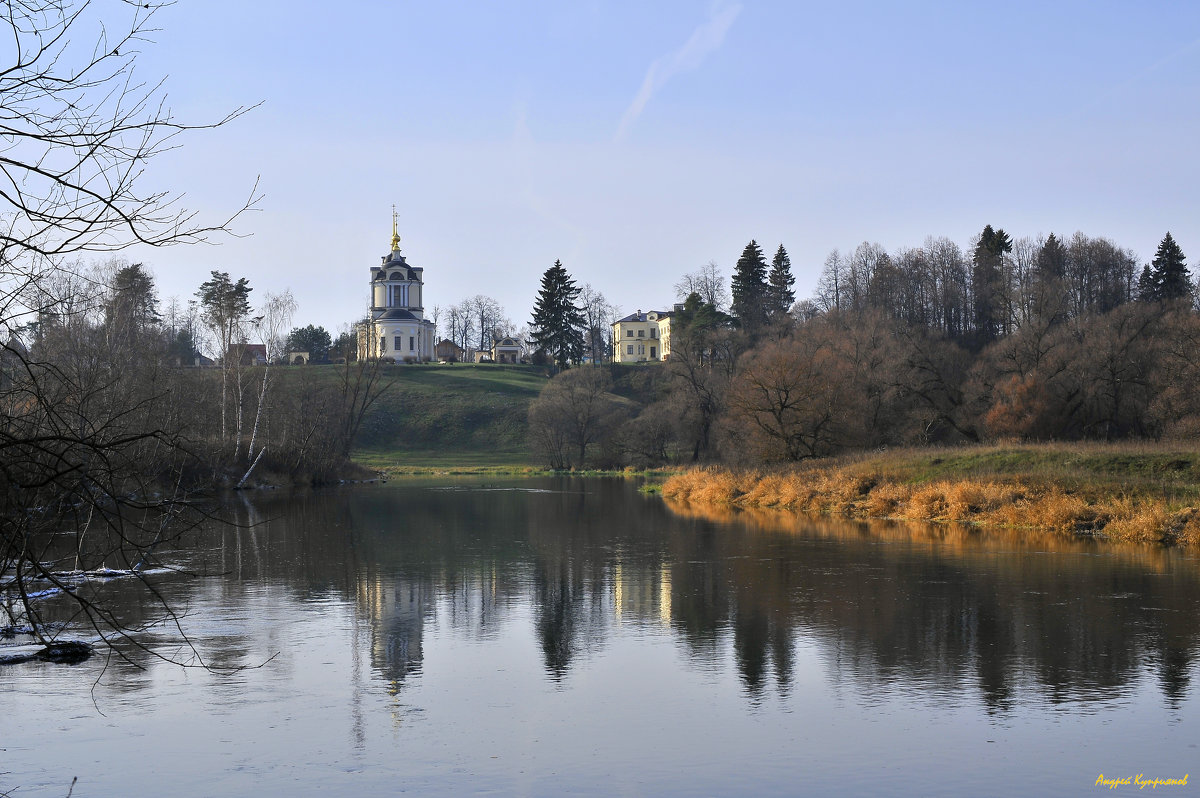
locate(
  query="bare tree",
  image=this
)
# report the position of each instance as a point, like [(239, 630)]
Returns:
[(831, 285), (598, 314), (435, 316), (78, 125), (524, 338), (85, 447), (275, 317), (571, 414), (360, 384), (459, 320), (487, 316), (789, 397), (708, 282)]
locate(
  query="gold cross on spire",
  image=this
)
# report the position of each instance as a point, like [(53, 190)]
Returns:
[(395, 233)]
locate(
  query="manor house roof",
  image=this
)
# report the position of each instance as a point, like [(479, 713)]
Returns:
[(640, 316)]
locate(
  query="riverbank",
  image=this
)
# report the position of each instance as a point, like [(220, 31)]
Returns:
[(436, 464), (1131, 492)]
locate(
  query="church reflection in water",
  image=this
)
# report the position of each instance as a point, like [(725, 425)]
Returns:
[(398, 609), (997, 614)]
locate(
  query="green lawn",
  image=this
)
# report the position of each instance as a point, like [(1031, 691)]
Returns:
[(439, 417)]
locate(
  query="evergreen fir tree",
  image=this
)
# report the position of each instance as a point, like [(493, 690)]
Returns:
[(558, 323), (1146, 290), (780, 282), (1052, 259), (1170, 272), (750, 290), (1049, 276), (987, 283), (695, 317)]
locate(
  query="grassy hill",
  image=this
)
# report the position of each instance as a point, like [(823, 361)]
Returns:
[(457, 416), (450, 415)]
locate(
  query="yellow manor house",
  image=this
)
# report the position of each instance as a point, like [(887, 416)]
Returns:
[(642, 337)]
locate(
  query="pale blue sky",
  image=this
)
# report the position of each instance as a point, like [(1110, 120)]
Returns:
[(638, 141)]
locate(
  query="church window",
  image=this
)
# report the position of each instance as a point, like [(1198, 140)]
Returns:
[(629, 349), (641, 333), (411, 341), (629, 333), (383, 343), (397, 343)]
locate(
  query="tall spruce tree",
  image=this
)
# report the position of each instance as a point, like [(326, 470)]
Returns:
[(750, 289), (987, 283), (1146, 290), (1052, 260), (1049, 280), (558, 323), (1169, 272), (780, 282)]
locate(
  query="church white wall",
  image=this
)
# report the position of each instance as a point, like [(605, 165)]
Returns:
[(421, 335)]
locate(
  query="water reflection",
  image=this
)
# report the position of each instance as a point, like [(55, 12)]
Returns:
[(934, 611)]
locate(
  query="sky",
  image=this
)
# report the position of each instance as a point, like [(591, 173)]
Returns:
[(637, 141)]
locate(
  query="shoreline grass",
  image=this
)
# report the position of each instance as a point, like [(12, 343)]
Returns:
[(402, 463), (1130, 492)]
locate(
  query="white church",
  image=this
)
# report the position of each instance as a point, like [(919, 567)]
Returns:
[(398, 328)]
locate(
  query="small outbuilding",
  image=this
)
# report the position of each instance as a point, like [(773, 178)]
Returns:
[(448, 352), (506, 350)]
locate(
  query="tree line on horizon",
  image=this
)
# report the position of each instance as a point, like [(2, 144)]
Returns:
[(1034, 339), (101, 331)]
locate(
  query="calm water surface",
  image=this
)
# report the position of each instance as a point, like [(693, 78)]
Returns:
[(574, 637)]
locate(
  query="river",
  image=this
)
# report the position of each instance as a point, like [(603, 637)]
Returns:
[(563, 636)]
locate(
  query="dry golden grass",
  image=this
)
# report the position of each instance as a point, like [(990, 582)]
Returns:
[(852, 489)]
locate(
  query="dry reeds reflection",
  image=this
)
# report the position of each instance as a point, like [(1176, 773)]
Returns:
[(950, 538)]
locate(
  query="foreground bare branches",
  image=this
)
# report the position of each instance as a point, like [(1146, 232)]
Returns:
[(93, 458), (79, 127)]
